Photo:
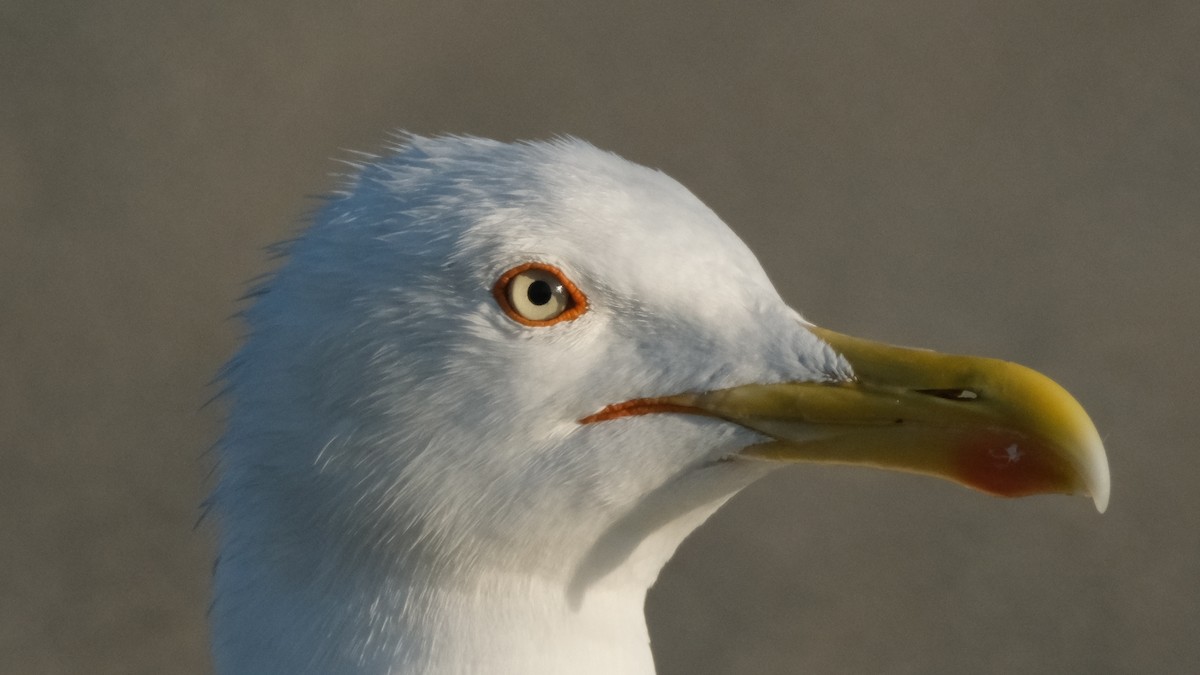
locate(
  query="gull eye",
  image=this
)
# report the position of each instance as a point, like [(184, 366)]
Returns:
[(536, 294)]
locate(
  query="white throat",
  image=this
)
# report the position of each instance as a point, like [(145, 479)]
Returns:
[(584, 615)]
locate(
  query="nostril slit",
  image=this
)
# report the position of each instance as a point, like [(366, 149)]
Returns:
[(951, 394)]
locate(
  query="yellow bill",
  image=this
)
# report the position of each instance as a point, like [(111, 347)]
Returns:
[(992, 425)]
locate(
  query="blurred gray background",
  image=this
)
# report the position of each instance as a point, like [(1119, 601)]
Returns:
[(1012, 178)]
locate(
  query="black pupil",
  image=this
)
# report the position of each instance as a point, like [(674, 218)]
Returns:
[(540, 292)]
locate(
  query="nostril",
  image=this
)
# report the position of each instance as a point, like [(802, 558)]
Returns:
[(951, 394)]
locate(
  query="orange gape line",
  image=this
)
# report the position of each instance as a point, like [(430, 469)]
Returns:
[(639, 406)]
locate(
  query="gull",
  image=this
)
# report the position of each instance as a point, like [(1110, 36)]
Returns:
[(495, 385)]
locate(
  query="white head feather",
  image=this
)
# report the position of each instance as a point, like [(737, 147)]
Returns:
[(405, 486)]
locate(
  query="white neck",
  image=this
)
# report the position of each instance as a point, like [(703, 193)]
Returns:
[(529, 626), (416, 618)]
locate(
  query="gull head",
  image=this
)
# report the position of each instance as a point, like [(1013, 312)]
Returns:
[(494, 385)]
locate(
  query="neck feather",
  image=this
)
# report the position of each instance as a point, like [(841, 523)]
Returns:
[(285, 604)]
